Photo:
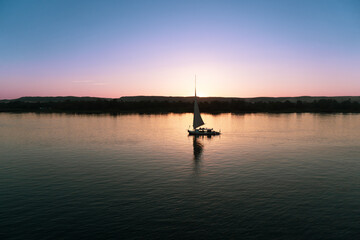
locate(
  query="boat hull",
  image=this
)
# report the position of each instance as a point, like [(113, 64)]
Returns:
[(206, 132)]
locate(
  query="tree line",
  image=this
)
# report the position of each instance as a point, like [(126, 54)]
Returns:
[(234, 106)]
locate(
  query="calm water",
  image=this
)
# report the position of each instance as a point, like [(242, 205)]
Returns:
[(268, 176)]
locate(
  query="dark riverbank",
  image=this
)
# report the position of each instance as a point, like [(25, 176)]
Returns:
[(181, 105)]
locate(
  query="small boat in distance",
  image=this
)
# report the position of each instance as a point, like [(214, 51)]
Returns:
[(197, 122)]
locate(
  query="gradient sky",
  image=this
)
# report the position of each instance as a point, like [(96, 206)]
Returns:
[(236, 48)]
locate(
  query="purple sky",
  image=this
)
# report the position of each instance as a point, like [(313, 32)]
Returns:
[(236, 48)]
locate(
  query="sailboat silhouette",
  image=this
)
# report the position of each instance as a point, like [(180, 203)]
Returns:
[(197, 121)]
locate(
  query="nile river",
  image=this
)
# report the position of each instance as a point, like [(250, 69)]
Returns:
[(267, 176)]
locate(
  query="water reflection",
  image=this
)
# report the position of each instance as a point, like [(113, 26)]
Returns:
[(198, 148), (263, 176)]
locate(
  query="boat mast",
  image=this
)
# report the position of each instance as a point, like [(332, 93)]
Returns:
[(197, 122), (195, 86)]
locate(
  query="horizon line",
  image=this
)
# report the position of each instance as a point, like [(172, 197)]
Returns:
[(183, 96)]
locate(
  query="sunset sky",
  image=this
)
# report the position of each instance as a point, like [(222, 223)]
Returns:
[(236, 48)]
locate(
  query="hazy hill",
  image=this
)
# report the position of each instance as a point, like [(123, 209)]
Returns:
[(182, 99), (227, 99), (54, 99)]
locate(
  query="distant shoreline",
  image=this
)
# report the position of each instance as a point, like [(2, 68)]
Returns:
[(214, 105), (177, 98)]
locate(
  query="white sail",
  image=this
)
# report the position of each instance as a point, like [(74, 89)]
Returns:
[(197, 117)]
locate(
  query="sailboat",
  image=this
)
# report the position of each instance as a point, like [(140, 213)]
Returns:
[(197, 122)]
